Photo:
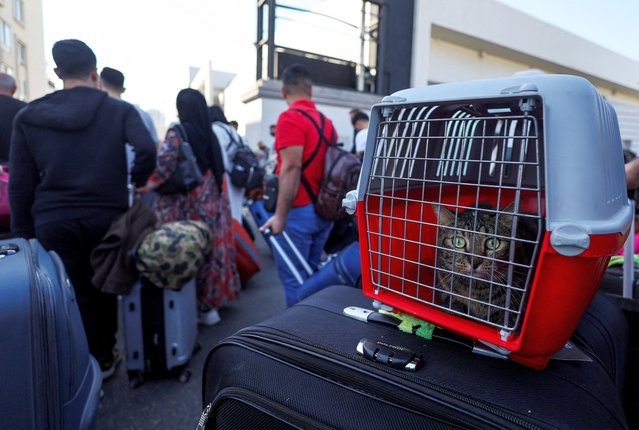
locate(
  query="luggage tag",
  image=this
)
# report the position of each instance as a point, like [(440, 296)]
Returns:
[(367, 315), (395, 356)]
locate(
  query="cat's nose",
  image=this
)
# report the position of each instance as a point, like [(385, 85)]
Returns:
[(476, 262)]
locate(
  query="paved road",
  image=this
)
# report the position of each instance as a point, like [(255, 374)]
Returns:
[(169, 404)]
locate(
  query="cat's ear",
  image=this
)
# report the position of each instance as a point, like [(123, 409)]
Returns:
[(505, 215), (511, 207), (445, 217)]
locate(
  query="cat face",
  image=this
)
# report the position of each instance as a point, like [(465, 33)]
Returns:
[(474, 243), (473, 257)]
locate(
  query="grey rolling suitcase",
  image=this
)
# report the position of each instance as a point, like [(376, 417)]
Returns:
[(48, 378), (160, 331)]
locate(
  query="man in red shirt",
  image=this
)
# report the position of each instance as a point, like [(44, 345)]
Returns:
[(300, 160)]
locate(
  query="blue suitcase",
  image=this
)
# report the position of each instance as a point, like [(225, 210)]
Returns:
[(48, 378), (343, 269)]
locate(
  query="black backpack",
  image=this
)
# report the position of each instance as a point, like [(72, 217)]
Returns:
[(341, 173), (245, 171)]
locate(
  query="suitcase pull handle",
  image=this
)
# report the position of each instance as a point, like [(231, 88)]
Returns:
[(397, 357)]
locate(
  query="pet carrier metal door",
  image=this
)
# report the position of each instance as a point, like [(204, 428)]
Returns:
[(476, 211)]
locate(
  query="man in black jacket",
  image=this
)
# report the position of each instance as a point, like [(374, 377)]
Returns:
[(69, 179), (9, 107)]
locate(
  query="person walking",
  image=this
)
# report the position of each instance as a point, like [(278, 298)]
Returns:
[(68, 180), (9, 107), (217, 281), (300, 166), (229, 141), (360, 124), (112, 81)]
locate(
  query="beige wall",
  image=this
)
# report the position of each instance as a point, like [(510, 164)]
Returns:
[(457, 40), (489, 27), (29, 33)]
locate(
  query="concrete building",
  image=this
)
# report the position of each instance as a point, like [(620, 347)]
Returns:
[(458, 40), (22, 46), (423, 42)]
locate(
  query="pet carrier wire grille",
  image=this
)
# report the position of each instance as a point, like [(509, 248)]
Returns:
[(491, 208), (439, 176)]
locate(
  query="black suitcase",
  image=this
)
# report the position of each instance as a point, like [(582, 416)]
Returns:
[(300, 369), (612, 287), (603, 331), (48, 379)]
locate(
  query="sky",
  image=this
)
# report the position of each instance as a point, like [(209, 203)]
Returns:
[(154, 42)]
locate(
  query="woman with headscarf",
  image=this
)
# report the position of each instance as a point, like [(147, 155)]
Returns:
[(229, 140), (218, 280)]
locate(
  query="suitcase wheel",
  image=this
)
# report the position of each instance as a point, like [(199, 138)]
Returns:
[(136, 378), (184, 376)]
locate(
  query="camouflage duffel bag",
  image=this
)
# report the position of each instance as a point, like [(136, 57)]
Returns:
[(173, 254)]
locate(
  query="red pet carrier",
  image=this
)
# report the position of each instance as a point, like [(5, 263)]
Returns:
[(491, 208)]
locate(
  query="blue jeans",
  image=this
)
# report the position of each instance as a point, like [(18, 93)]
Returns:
[(309, 232)]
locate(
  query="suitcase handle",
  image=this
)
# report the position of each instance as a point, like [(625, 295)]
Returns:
[(273, 241)]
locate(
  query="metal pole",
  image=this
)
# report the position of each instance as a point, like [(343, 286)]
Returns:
[(628, 262), (362, 36), (271, 39), (260, 36)]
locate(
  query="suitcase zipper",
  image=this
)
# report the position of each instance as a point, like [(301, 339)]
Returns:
[(45, 347), (65, 285), (253, 399), (275, 337)]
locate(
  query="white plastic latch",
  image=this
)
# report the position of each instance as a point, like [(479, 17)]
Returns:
[(570, 239), (349, 202)]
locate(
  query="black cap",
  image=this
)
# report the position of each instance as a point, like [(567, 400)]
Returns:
[(113, 78), (73, 58), (359, 116)]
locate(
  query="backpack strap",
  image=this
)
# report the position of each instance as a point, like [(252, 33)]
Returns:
[(180, 131), (322, 137), (232, 139)]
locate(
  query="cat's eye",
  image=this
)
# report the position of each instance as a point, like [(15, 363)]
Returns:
[(459, 242), (492, 244)]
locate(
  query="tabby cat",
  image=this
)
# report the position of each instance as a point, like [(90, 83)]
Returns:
[(473, 264)]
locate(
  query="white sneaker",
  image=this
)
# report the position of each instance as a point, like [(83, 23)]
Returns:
[(209, 318)]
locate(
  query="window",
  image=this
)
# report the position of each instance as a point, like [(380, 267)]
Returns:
[(23, 90), (5, 36), (22, 53), (18, 10), (6, 69)]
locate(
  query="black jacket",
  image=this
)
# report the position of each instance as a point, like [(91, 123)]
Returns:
[(9, 107), (68, 158), (112, 260)]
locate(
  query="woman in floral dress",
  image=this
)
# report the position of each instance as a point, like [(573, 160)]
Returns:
[(218, 280)]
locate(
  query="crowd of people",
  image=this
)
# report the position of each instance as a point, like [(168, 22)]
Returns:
[(75, 155)]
